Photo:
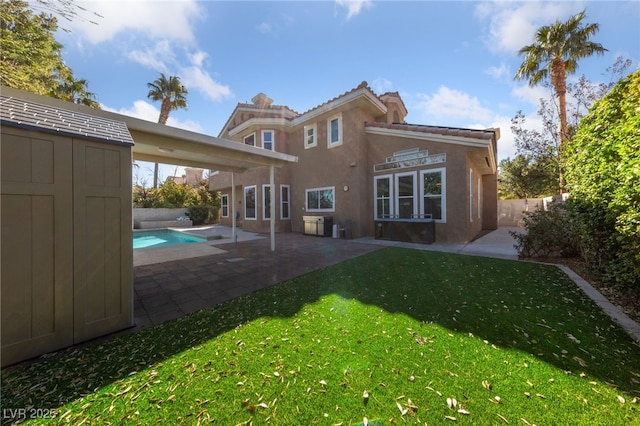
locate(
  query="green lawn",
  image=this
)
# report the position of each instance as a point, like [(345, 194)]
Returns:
[(396, 336)]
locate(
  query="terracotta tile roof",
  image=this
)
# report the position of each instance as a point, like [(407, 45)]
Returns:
[(266, 108), (363, 85), (31, 115), (438, 130)]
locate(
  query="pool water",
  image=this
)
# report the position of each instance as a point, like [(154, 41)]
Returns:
[(147, 239)]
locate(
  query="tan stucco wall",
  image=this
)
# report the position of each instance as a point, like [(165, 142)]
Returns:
[(351, 164)]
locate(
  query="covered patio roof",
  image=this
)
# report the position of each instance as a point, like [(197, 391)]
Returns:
[(153, 142)]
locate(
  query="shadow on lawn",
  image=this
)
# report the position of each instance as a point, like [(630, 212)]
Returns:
[(524, 306)]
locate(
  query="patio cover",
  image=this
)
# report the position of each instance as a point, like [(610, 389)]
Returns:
[(163, 144)]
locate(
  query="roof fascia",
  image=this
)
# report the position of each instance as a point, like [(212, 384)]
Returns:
[(454, 140), (261, 122)]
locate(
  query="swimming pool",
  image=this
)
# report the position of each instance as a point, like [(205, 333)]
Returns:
[(162, 238)]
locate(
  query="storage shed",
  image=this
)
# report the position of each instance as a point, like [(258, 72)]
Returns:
[(66, 217), (66, 228)]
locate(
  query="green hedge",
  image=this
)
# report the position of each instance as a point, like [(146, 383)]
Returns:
[(603, 175), (200, 215)]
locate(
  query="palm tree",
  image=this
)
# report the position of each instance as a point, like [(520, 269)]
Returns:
[(172, 94), (555, 53), (77, 91)]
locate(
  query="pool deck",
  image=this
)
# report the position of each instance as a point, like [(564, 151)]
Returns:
[(173, 281)]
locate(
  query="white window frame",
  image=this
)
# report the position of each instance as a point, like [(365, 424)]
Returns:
[(224, 203), (396, 185), (244, 140), (330, 143), (391, 195), (326, 188), (285, 201), (273, 140), (266, 209), (471, 200), (244, 196), (443, 191), (314, 141), (479, 197)]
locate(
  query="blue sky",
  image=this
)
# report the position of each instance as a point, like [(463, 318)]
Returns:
[(452, 62)]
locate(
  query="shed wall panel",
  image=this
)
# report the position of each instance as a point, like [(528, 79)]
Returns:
[(37, 225), (102, 234)]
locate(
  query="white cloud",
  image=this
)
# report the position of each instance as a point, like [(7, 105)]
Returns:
[(146, 111), (354, 7), (266, 28), (157, 58), (381, 85), (162, 58), (531, 95), (450, 105), (512, 25), (499, 72), (200, 79), (155, 19)]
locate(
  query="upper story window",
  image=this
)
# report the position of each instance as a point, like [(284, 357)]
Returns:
[(267, 139), (334, 131), (310, 136), (250, 140)]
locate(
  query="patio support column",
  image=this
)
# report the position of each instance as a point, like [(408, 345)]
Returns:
[(233, 210), (272, 207)]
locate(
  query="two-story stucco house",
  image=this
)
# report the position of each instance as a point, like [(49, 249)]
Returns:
[(361, 166)]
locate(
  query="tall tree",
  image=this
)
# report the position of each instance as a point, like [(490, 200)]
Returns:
[(172, 94), (76, 91), (30, 57), (554, 54)]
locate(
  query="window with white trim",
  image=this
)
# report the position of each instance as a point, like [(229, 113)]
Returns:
[(334, 131), (250, 202), (479, 197), (285, 192), (224, 205), (471, 201), (266, 202), (310, 136), (383, 195), (268, 140), (320, 199), (250, 140), (433, 192), (405, 186)]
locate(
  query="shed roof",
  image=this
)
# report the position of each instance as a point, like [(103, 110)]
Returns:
[(151, 141), (32, 115)]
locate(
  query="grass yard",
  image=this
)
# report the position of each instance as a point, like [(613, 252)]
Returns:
[(397, 336)]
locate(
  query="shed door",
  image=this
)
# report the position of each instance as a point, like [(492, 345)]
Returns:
[(37, 251), (103, 252)]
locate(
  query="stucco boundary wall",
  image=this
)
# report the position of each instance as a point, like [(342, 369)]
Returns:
[(511, 212), (157, 215)]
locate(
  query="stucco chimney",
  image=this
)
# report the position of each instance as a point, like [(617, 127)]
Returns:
[(261, 100)]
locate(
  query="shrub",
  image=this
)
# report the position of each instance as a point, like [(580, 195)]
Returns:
[(603, 175), (550, 233), (200, 215)]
